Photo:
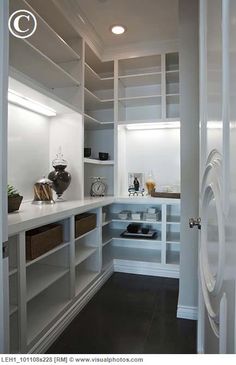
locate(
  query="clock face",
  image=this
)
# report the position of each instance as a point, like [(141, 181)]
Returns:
[(98, 188)]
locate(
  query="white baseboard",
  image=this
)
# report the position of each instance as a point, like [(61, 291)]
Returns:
[(64, 320), (186, 312), (143, 268)]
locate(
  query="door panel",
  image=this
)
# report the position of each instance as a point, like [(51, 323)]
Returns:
[(217, 243)]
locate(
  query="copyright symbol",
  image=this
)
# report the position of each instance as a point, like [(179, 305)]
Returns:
[(71, 359), (22, 24)]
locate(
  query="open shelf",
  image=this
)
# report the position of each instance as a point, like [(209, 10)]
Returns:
[(43, 309), (29, 60), (94, 82), (40, 276), (51, 252), (172, 257), (94, 102), (116, 234), (140, 100), (98, 162), (93, 123), (142, 221), (83, 279), (104, 70), (85, 234), (82, 252), (173, 237), (173, 219), (144, 79), (106, 238), (55, 47), (136, 254), (140, 65)]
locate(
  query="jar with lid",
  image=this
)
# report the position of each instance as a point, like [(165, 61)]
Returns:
[(60, 178), (43, 192)]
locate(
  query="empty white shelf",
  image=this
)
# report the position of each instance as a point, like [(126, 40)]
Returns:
[(40, 276), (83, 279), (172, 257), (140, 100), (106, 238), (173, 237), (54, 47), (136, 254), (82, 253), (95, 82), (93, 123), (152, 78), (93, 102), (174, 219), (41, 312), (27, 59)]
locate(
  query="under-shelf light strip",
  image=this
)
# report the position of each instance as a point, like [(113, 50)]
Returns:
[(25, 102), (148, 126)]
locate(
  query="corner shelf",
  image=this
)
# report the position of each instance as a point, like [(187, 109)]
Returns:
[(96, 82), (92, 101), (93, 123)]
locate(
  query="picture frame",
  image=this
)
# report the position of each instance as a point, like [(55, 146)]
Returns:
[(140, 178)]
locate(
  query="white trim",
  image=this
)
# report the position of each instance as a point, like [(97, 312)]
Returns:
[(144, 268), (50, 336), (187, 312)]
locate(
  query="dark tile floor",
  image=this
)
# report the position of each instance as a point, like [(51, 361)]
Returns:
[(131, 314)]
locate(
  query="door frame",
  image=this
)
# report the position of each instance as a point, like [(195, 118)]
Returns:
[(4, 47)]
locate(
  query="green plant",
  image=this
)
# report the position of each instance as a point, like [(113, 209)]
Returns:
[(11, 191)]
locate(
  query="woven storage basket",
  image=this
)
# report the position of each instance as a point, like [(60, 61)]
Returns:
[(84, 223), (43, 239)]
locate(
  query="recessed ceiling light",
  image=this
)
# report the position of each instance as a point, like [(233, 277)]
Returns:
[(118, 29)]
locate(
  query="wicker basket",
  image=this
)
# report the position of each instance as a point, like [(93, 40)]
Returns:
[(84, 223), (43, 239)]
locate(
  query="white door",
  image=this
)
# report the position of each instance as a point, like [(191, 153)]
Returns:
[(3, 173), (217, 244)]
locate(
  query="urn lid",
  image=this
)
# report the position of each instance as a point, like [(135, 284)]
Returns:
[(59, 160), (44, 180)]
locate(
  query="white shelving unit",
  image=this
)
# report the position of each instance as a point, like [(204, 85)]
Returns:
[(55, 64), (135, 254), (148, 88), (46, 292), (98, 119), (43, 291)]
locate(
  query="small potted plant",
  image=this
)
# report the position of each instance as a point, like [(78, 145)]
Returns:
[(14, 199)]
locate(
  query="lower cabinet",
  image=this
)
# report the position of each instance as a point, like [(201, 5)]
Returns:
[(47, 292)]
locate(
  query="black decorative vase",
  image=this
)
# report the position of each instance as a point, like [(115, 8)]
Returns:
[(60, 177)]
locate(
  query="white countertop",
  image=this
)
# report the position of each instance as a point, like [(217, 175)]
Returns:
[(30, 216)]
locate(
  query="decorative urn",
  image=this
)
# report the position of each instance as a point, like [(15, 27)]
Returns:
[(60, 177)]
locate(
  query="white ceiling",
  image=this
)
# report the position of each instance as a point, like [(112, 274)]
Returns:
[(146, 20)]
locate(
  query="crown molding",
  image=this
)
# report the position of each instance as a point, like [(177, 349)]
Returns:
[(81, 24), (85, 29), (138, 49)]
